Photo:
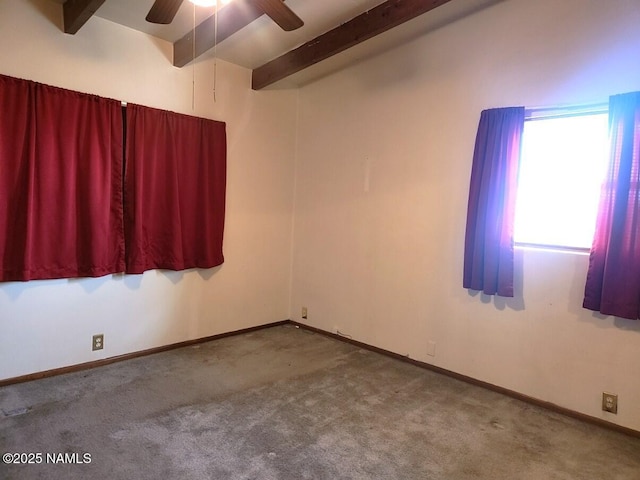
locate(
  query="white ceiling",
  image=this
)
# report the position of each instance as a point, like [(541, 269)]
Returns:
[(263, 40)]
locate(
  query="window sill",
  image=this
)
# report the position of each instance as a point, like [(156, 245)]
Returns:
[(552, 248)]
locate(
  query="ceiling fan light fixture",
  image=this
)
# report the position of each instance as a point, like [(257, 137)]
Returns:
[(204, 3)]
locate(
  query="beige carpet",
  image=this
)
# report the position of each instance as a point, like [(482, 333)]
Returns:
[(284, 403)]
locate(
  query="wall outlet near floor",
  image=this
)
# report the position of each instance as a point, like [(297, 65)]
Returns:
[(431, 348), (304, 312), (98, 342), (610, 402)]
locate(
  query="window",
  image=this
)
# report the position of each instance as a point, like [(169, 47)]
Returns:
[(563, 163)]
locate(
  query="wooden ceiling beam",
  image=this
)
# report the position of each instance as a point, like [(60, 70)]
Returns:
[(363, 27), (77, 12), (233, 17)]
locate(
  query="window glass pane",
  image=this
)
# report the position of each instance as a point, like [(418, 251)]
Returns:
[(562, 166)]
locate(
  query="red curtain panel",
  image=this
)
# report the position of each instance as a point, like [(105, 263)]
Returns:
[(613, 278), (60, 183), (175, 184), (488, 251)]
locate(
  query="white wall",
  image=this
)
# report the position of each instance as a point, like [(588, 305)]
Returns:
[(49, 324), (382, 178)]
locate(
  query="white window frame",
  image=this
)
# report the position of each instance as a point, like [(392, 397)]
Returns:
[(548, 113)]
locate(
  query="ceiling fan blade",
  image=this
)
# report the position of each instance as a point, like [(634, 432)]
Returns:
[(280, 13), (163, 11)]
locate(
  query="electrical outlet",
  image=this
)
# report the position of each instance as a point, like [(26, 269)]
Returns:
[(98, 342), (610, 402), (431, 348), (304, 312)]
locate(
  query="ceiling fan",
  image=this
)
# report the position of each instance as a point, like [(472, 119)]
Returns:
[(163, 12)]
